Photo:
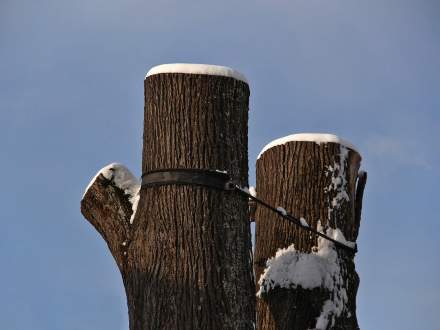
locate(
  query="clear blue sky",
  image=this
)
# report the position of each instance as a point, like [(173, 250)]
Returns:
[(71, 101)]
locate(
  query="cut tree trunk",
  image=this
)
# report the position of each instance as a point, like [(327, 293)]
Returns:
[(186, 260), (309, 180)]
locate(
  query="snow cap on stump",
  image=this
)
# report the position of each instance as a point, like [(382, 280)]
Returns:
[(190, 68), (318, 138)]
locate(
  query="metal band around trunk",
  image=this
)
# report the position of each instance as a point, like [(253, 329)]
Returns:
[(198, 177)]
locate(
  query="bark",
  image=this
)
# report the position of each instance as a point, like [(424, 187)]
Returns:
[(109, 210), (188, 262), (298, 176)]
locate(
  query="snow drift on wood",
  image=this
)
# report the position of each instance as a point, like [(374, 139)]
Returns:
[(319, 269), (205, 69), (124, 180), (303, 222), (251, 190), (338, 182), (318, 138), (282, 210)]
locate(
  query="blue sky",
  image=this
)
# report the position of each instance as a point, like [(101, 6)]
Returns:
[(71, 101)]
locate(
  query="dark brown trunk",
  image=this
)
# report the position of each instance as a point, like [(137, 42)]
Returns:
[(298, 176), (188, 261)]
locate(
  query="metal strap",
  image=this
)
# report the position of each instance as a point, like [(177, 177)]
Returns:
[(222, 181), (199, 177)]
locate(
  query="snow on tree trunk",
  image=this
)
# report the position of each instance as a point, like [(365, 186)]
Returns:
[(305, 282), (186, 258)]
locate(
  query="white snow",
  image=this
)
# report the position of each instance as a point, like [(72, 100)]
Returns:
[(320, 268), (281, 210), (251, 190), (318, 138), (323, 319), (205, 69), (245, 189), (338, 181), (123, 179), (303, 222)]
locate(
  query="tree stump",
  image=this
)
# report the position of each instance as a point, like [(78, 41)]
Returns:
[(186, 258), (308, 284)]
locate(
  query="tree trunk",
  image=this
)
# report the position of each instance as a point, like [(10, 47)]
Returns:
[(316, 182), (188, 262)]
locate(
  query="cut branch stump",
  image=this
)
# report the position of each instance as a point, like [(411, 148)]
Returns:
[(316, 182)]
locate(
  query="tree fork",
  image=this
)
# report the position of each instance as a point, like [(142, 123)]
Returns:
[(315, 181), (188, 262)]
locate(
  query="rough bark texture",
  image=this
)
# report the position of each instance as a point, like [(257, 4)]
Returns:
[(187, 262), (298, 176), (108, 209)]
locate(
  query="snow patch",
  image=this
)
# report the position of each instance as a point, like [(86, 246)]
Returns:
[(205, 69), (319, 269), (282, 210), (124, 180), (251, 191), (303, 222), (338, 182), (318, 138)]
